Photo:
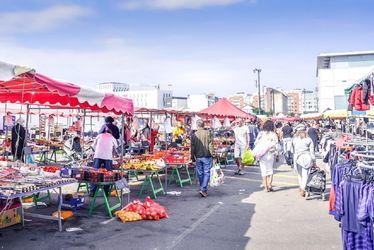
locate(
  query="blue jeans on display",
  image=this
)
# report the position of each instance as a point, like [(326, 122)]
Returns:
[(108, 164), (203, 166)]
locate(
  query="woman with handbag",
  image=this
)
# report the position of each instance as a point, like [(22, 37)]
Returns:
[(304, 158), (266, 152)]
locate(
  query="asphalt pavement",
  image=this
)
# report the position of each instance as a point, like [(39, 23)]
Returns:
[(235, 215)]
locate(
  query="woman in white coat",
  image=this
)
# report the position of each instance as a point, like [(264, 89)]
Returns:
[(267, 151)]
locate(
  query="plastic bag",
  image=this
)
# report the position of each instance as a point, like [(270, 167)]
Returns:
[(148, 210), (248, 158), (153, 210), (216, 176)]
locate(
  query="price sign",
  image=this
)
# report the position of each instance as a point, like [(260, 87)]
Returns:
[(121, 184)]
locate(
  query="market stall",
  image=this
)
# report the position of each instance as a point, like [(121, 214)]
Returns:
[(24, 86), (224, 108)]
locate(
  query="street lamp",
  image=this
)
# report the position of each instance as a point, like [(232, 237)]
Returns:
[(259, 87)]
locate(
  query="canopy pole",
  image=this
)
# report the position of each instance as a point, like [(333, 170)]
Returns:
[(27, 126), (91, 131), (83, 129), (122, 153), (6, 129)]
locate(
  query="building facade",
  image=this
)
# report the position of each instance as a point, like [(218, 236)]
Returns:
[(302, 101), (152, 98), (337, 71), (179, 103), (294, 101), (149, 97), (276, 101), (309, 102), (240, 99), (254, 102), (112, 87), (199, 102)]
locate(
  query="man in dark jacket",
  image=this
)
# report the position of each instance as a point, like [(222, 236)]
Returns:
[(18, 139), (314, 135), (113, 128), (202, 153)]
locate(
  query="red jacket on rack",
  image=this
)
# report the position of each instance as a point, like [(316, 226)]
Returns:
[(357, 101)]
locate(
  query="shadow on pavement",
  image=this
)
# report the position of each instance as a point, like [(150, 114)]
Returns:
[(217, 222)]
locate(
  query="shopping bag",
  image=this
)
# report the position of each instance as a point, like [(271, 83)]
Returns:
[(216, 176), (248, 158), (262, 148)]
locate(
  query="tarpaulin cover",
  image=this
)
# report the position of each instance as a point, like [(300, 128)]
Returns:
[(336, 114), (29, 87), (224, 108)]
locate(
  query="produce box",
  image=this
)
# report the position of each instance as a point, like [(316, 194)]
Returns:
[(11, 216), (72, 201)]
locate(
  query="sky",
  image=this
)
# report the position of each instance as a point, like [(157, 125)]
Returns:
[(192, 46)]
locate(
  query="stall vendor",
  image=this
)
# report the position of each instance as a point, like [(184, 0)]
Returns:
[(104, 146), (154, 134), (18, 139), (179, 133), (109, 124)]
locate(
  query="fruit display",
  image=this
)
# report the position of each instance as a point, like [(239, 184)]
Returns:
[(146, 165), (95, 175), (125, 216), (180, 157), (51, 169)]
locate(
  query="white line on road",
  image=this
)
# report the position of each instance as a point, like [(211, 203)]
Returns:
[(108, 221), (260, 181), (194, 226)]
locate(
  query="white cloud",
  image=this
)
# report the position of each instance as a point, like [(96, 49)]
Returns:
[(177, 4), (41, 20)]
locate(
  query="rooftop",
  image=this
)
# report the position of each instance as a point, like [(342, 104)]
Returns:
[(350, 53)]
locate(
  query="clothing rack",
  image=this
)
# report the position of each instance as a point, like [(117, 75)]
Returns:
[(362, 155)]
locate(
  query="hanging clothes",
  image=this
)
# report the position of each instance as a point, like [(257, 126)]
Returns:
[(352, 204), (359, 99)]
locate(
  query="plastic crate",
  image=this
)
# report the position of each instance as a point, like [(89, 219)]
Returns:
[(72, 202)]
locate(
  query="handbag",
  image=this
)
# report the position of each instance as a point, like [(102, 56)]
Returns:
[(305, 160), (261, 148)]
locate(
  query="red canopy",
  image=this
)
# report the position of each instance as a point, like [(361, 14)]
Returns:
[(33, 88), (224, 108)]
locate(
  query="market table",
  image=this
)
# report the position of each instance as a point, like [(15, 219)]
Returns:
[(100, 187), (176, 167), (148, 181), (40, 216)]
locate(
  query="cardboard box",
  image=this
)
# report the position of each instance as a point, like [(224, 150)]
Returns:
[(10, 217)]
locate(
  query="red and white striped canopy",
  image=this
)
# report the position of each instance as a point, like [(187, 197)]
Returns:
[(25, 86)]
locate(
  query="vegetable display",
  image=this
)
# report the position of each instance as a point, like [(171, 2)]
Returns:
[(148, 210)]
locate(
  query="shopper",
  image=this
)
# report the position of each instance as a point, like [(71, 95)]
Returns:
[(304, 157), (104, 146), (109, 124), (18, 139), (253, 133), (287, 133), (202, 153), (313, 134), (242, 141), (268, 141)]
